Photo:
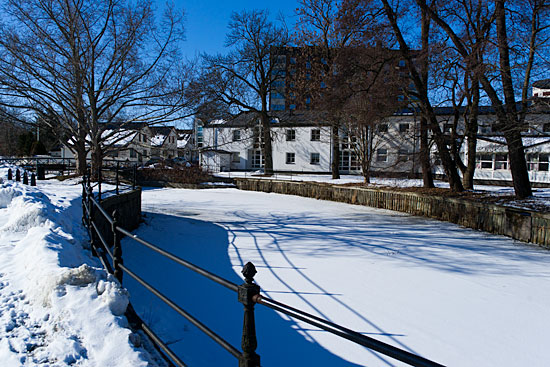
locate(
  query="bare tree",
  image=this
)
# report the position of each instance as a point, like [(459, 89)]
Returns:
[(94, 67), (502, 77), (242, 80), (373, 83), (421, 87), (325, 29)]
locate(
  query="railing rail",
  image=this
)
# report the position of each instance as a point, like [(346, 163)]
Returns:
[(248, 294)]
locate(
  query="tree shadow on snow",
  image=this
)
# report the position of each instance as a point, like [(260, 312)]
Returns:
[(410, 241), (206, 245)]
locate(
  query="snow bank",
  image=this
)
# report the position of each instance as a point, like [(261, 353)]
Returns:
[(58, 307)]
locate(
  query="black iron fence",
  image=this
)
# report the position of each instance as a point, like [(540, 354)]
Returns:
[(248, 293)]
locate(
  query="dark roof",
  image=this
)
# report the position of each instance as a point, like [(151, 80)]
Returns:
[(542, 84), (161, 130), (278, 119)]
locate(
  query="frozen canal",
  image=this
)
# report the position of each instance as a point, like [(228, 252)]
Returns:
[(453, 295)]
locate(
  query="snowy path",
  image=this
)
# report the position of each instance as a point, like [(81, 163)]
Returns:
[(57, 306), (457, 296)]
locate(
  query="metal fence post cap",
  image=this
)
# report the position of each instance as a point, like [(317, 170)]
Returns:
[(249, 270)]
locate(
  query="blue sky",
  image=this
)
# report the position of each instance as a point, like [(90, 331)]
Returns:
[(206, 20)]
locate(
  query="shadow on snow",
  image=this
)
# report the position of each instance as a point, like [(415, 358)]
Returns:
[(206, 245)]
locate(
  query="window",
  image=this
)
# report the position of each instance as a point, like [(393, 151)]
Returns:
[(290, 158), (308, 100), (236, 135), (315, 135), (501, 161), (257, 159), (293, 60), (532, 162), (402, 63), (383, 128), (290, 135), (447, 128), (404, 155), (235, 157), (292, 107), (403, 128), (382, 155), (278, 107), (546, 128), (315, 158), (484, 161), (308, 65), (543, 162), (132, 153)]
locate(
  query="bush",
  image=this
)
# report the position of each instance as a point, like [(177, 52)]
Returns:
[(177, 174)]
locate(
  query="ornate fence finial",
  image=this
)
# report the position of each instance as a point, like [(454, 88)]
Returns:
[(249, 270)]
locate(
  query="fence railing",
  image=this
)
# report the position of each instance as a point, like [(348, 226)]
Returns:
[(248, 294)]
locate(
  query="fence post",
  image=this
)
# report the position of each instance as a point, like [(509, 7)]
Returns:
[(135, 177), (33, 179), (25, 178), (17, 175), (117, 249), (10, 174), (117, 166), (247, 292), (84, 201), (90, 219), (99, 184)]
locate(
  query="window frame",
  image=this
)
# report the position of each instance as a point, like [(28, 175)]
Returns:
[(290, 134), (315, 135), (290, 158), (317, 160)]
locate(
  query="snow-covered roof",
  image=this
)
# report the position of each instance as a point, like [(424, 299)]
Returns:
[(118, 138), (498, 144), (158, 140)]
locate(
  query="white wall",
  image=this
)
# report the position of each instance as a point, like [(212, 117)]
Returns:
[(302, 147)]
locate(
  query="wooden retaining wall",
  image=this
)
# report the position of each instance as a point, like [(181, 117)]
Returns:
[(520, 224), (128, 205)]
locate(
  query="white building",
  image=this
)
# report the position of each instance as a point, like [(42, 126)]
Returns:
[(541, 88), (302, 144)]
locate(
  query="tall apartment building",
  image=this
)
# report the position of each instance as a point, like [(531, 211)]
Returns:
[(303, 69)]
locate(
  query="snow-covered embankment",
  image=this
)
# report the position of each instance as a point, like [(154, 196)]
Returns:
[(57, 306)]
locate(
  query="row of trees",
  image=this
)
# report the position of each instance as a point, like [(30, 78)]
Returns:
[(87, 68), (459, 53)]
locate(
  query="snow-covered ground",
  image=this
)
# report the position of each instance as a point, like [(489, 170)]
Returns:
[(57, 306), (453, 295), (457, 296), (540, 198)]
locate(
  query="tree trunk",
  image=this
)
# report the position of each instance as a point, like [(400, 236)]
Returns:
[(471, 135), (335, 164), (267, 146), (511, 126), (81, 167), (427, 176), (97, 162)]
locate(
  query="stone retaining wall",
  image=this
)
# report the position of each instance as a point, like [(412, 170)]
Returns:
[(523, 225)]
